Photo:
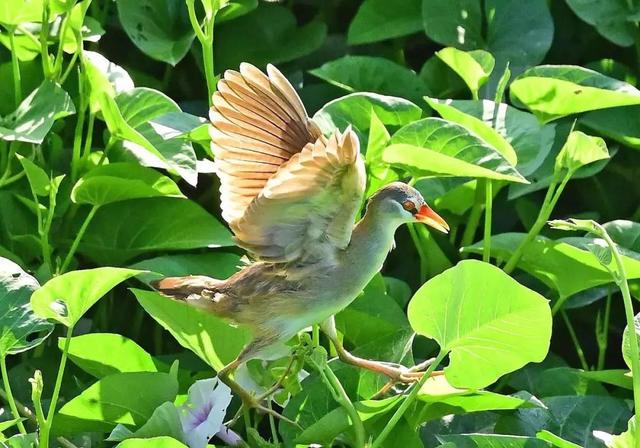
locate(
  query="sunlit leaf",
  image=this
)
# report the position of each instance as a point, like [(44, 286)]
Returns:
[(474, 67), (553, 91), (67, 297), (212, 339), (490, 324), (116, 399), (164, 422), (35, 116), (579, 150), (20, 328), (121, 181), (433, 146), (154, 442), (102, 354)]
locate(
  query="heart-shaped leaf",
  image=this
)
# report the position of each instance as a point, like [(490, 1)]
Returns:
[(378, 20), (212, 339), (489, 323), (67, 297), (121, 181), (102, 354), (33, 118), (553, 91), (433, 146), (474, 67), (18, 322)]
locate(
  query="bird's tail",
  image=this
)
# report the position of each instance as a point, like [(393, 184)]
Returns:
[(181, 288)]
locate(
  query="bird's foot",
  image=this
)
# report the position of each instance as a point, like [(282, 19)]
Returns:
[(408, 376)]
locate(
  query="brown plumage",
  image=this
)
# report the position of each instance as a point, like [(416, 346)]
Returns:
[(291, 196)]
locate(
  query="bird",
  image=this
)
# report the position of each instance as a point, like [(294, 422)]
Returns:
[(292, 196)]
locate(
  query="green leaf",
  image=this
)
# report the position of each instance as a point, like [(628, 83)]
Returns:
[(372, 74), (102, 354), (327, 428), (625, 440), (491, 441), (573, 418), (116, 399), (453, 23), (33, 119), (121, 181), (483, 130), (624, 233), (433, 146), (23, 441), (562, 266), (18, 323), (517, 31), (212, 339), (555, 440), (356, 110), (38, 179), (554, 91), (165, 421), (15, 13), (611, 18), (626, 343), (67, 297), (442, 399), (621, 124), (151, 224), (130, 117), (155, 442), (580, 150), (275, 37), (378, 20), (497, 327), (104, 77), (530, 140), (159, 28), (474, 67), (615, 377)]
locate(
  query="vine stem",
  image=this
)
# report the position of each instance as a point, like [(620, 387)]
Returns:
[(603, 337), (408, 401), (15, 67), (78, 238), (551, 198), (621, 281), (44, 432), (340, 395), (474, 217), (574, 338), (488, 210), (10, 399)]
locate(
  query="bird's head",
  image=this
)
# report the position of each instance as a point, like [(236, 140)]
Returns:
[(404, 204)]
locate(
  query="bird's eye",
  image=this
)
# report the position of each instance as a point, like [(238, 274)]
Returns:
[(409, 206)]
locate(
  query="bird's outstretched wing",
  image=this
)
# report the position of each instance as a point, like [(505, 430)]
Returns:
[(287, 192)]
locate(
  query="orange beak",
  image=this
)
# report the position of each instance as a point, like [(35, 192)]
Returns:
[(429, 217)]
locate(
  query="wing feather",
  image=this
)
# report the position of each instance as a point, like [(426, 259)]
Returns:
[(258, 124)]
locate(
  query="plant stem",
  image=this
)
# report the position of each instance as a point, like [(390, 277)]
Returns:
[(315, 332), (207, 55), (603, 337), (488, 209), (549, 203), (408, 401), (15, 67), (44, 45), (10, 399), (340, 395), (574, 339), (474, 217), (44, 432), (77, 135), (57, 63), (415, 236), (621, 281), (272, 425), (76, 241)]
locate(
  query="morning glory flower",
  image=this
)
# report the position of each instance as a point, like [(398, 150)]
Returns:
[(203, 413)]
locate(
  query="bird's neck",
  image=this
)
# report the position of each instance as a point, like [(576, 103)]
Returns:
[(371, 241)]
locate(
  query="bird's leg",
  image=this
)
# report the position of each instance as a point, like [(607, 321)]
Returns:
[(247, 398), (396, 372), (279, 382)]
